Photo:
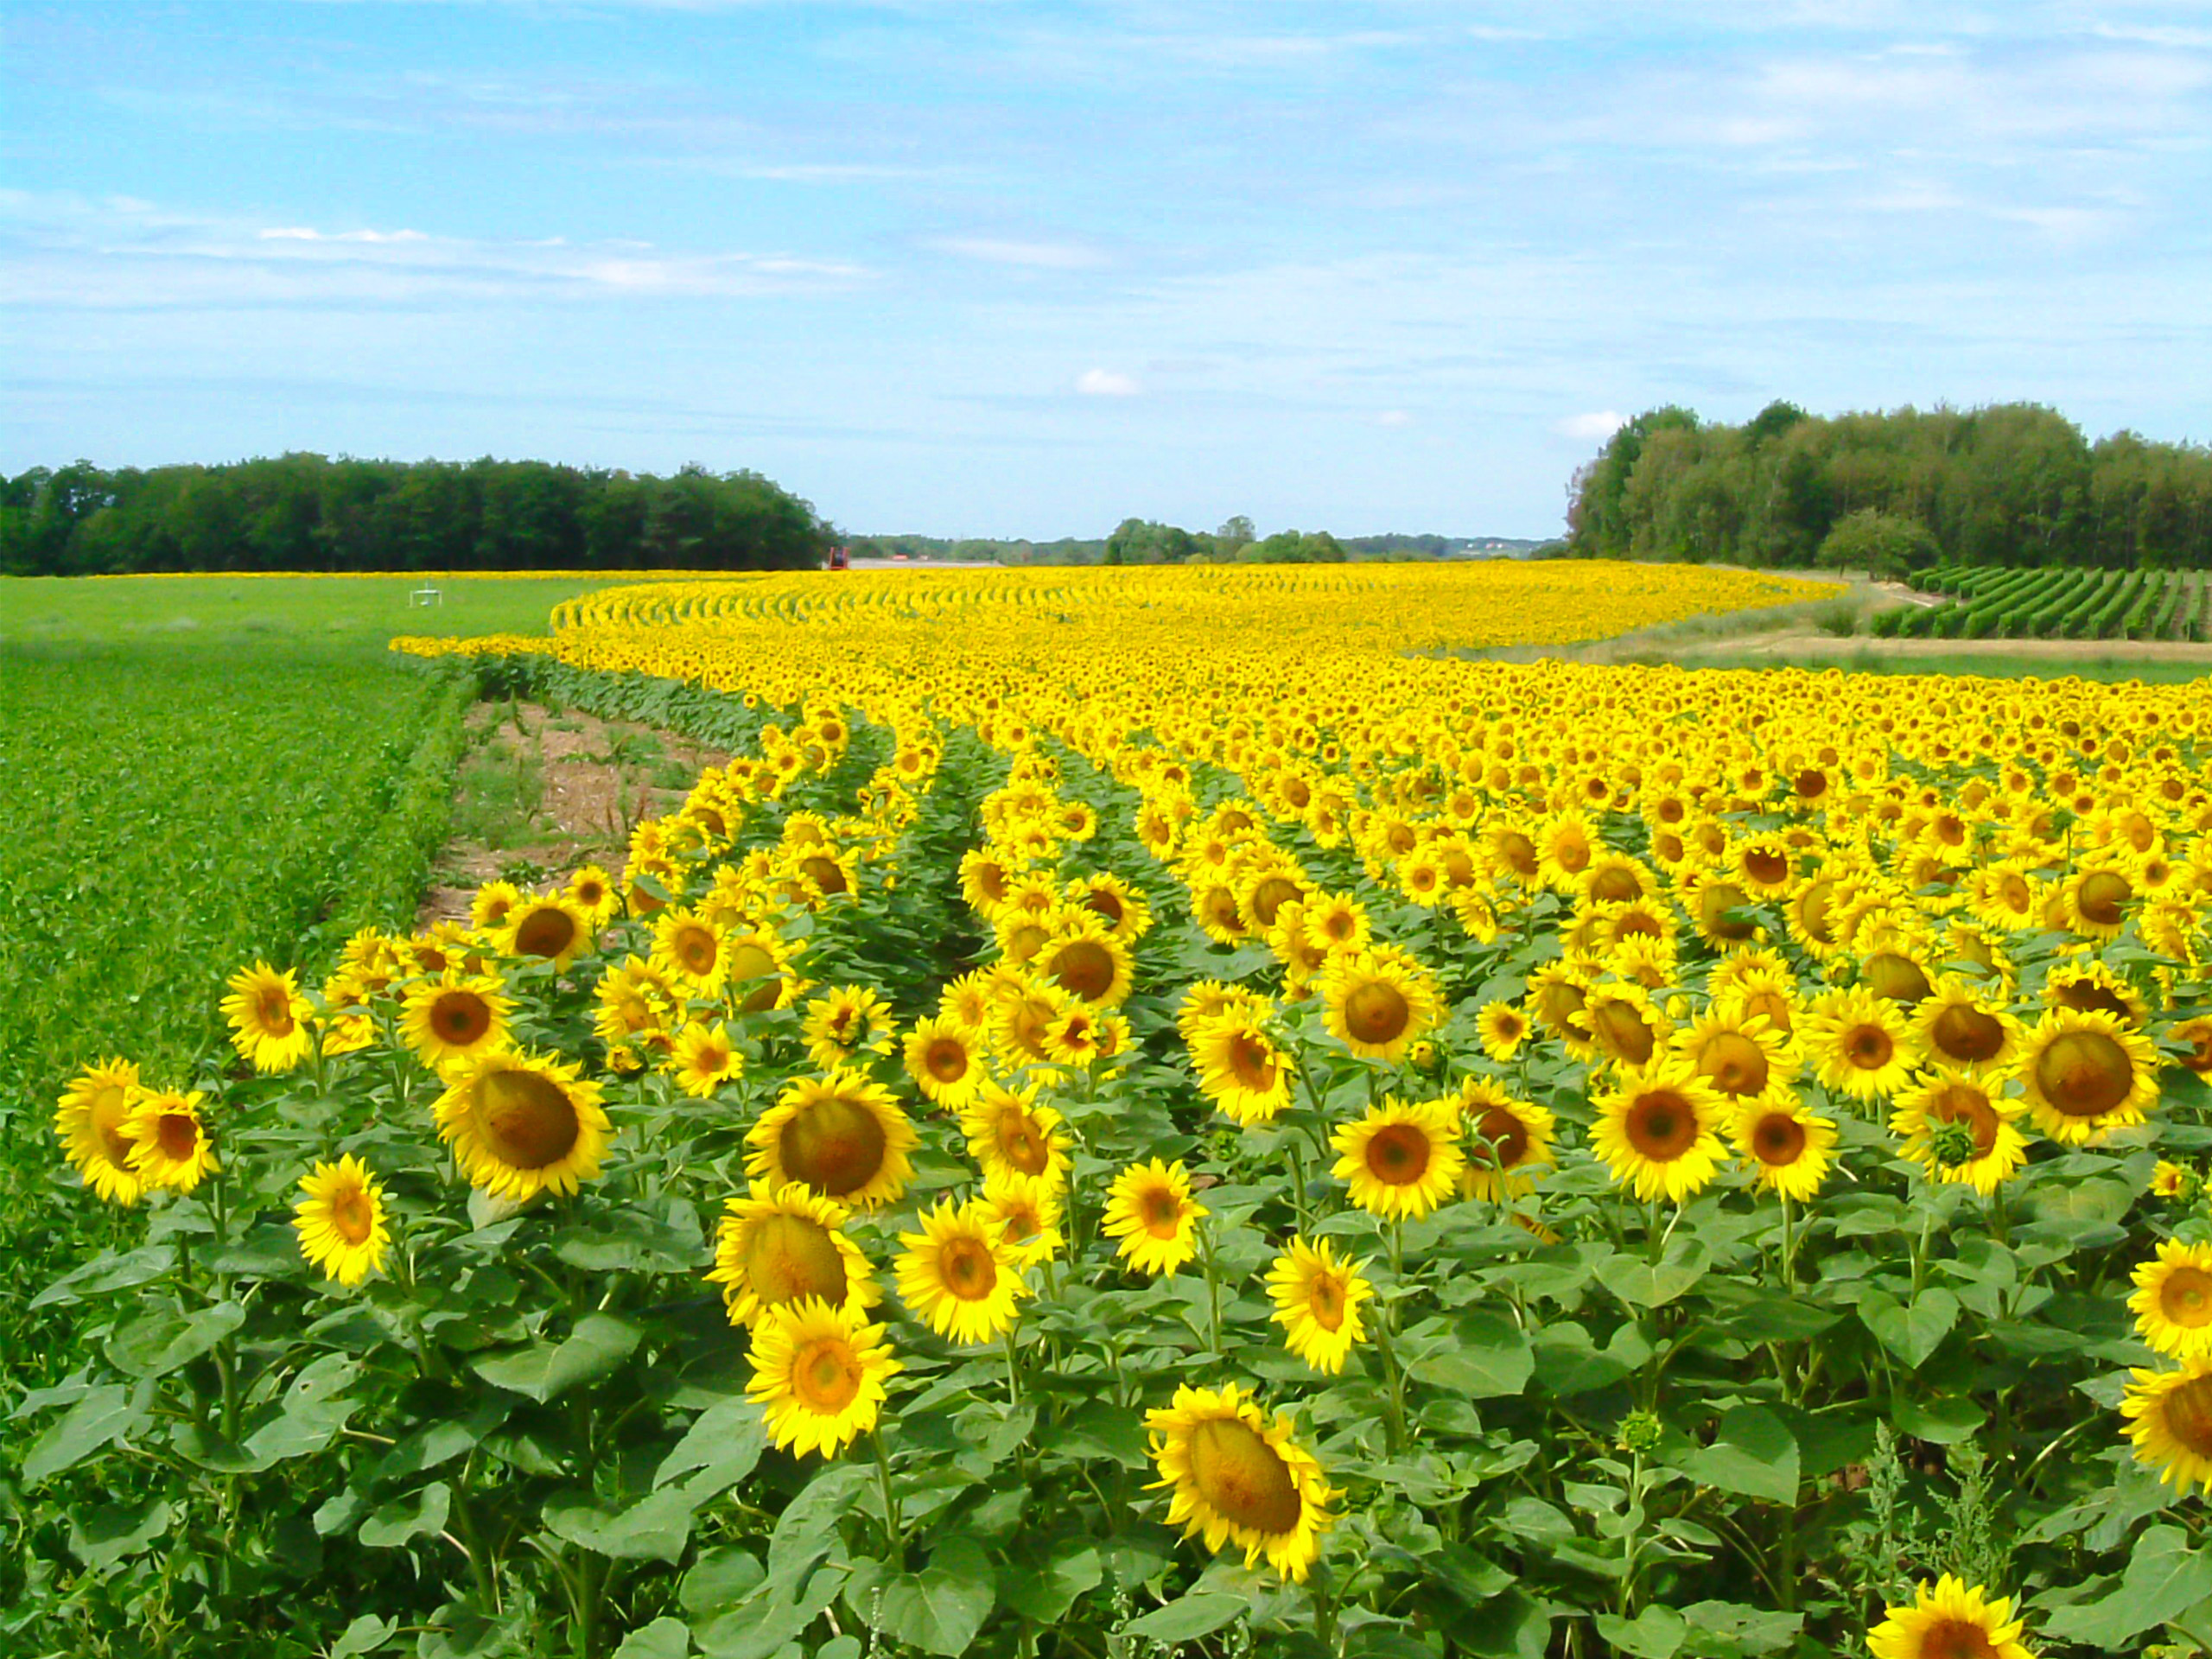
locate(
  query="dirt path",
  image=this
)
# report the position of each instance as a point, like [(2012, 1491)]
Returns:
[(1809, 642), (540, 794)]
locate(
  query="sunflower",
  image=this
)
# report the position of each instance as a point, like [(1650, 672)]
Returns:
[(1502, 1028), (1316, 1296), (1149, 1207), (1860, 1042), (2087, 986), (1402, 1161), (1625, 1026), (451, 1020), (818, 1372), (690, 950), (705, 1059), (92, 1119), (592, 891), (169, 1146), (1513, 1139), (958, 1275), (967, 1002), (2096, 900), (1658, 1130), (1088, 961), (1208, 1000), (1556, 1000), (1949, 1620), (2170, 1418), (845, 1021), (522, 1123), (340, 1220), (269, 1018), (1239, 1478), (490, 904), (943, 1058), (1948, 1095), (1379, 1002), (550, 926), (1009, 1134), (1788, 1145), (2086, 1074), (1339, 918), (1963, 1026), (2172, 1303), (842, 1135), (634, 997), (1075, 1037), (778, 1245), (1030, 1212), (1022, 1020), (1738, 1051), (1241, 1069)]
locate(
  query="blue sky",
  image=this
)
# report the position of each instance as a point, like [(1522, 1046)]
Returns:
[(995, 268)]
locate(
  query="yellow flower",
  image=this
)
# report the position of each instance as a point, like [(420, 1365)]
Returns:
[(451, 1020), (2086, 1074), (956, 1275), (269, 1018), (1961, 1025), (1317, 1297), (943, 1058), (1949, 1620), (1030, 1211), (819, 1373), (1239, 1479), (844, 1022), (1861, 1043), (1150, 1210), (520, 1124), (705, 1058), (785, 1245), (1788, 1145), (1502, 1028), (340, 1220), (842, 1136), (1380, 1001), (1657, 1130), (1947, 1094), (169, 1146), (689, 948), (1009, 1134), (1512, 1140), (92, 1120), (1241, 1069), (1401, 1160), (550, 926), (2172, 1303), (1088, 961)]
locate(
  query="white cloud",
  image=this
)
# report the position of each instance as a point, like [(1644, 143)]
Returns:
[(1036, 256), (1394, 417), (1593, 428), (1106, 383)]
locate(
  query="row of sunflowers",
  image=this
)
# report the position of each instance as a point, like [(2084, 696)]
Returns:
[(1497, 1159)]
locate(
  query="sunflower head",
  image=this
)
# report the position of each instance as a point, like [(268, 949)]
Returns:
[(340, 1220), (841, 1136), (1658, 1130), (780, 1245), (1239, 1478), (818, 1372), (957, 1274), (1150, 1210), (169, 1146), (1318, 1296), (1399, 1160), (2087, 1074), (92, 1120), (521, 1123)]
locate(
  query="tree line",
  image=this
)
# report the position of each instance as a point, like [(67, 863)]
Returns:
[(1894, 490), (307, 512)]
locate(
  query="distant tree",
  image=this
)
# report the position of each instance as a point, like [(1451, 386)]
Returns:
[(1888, 546)]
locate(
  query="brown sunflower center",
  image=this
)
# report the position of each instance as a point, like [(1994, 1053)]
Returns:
[(1813, 911), (529, 1121), (1325, 1301), (274, 1009), (1270, 896), (177, 1134), (1620, 1029), (1518, 852), (789, 1257), (2084, 1073), (966, 1267), (2188, 1412), (2101, 897), (1616, 885), (1898, 978), (1714, 901), (694, 947), (1377, 1012), (1779, 1140), (545, 933), (1083, 967), (1397, 1154), (1767, 866), (1252, 1062), (1662, 1125), (2185, 1298), (1161, 1211), (826, 1374), (1733, 1063), (1104, 902), (2014, 893), (1961, 1103), (1507, 1134), (461, 1017), (826, 874), (2087, 997), (1868, 1047), (1967, 1034), (946, 1059), (1242, 1478), (352, 1215), (836, 1145)]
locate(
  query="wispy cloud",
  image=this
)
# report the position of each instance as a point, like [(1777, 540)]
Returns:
[(1106, 383), (1594, 427), (1035, 256)]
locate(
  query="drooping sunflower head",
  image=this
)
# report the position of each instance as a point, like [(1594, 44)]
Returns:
[(169, 1144), (780, 1245), (92, 1120), (2087, 1074), (454, 1018), (1401, 1160), (1658, 1130), (1380, 1001), (1150, 1210), (841, 1136), (1626, 1025), (1239, 1478), (522, 1123), (339, 1217), (818, 1371)]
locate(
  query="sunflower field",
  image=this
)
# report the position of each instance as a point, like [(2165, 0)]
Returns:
[(1167, 1111)]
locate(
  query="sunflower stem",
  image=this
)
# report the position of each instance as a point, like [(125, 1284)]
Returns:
[(893, 1540), (1213, 1290)]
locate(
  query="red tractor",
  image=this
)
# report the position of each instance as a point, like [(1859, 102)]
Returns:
[(841, 558)]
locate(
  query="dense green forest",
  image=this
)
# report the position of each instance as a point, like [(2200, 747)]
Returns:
[(304, 513), (1894, 490)]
